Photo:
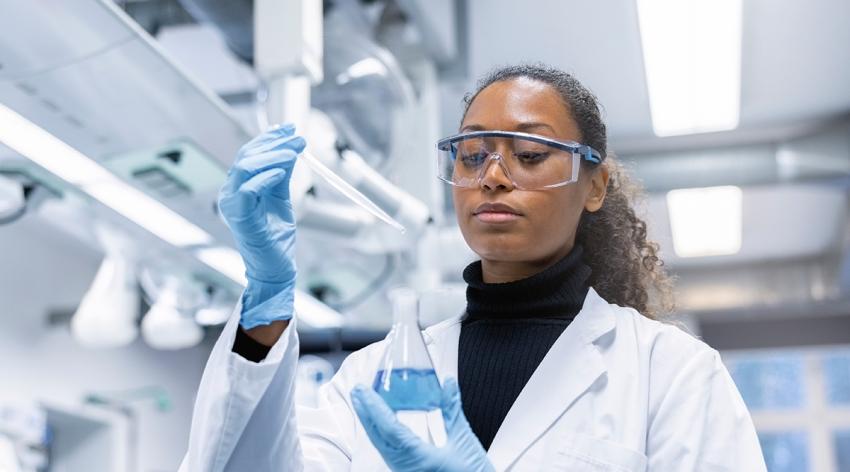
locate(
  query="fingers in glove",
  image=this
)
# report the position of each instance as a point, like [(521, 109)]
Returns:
[(380, 423), (248, 167), (288, 128), (252, 165), (241, 204), (263, 181), (294, 143)]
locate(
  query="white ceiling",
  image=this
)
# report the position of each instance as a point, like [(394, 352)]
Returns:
[(795, 55)]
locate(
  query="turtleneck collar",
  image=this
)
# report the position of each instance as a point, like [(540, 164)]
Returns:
[(558, 291)]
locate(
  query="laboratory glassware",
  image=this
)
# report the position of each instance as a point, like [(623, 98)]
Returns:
[(406, 378), (350, 192)]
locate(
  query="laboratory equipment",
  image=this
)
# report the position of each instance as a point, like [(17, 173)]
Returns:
[(366, 91), (288, 77), (165, 326), (330, 216), (213, 314), (346, 189), (13, 200), (24, 438), (406, 379), (313, 372), (411, 212), (106, 316)]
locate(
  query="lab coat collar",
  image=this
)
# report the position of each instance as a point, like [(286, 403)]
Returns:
[(570, 367)]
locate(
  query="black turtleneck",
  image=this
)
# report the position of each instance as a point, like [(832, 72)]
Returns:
[(508, 329)]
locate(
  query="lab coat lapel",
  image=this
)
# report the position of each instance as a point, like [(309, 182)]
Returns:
[(442, 342), (572, 364)]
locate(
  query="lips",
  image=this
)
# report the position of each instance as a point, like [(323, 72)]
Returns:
[(495, 208), (496, 213)]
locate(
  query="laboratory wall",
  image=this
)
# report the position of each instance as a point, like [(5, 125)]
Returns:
[(41, 364)]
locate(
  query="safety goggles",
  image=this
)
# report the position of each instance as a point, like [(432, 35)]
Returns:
[(530, 161)]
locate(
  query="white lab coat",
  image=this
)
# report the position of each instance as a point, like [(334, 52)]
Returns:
[(616, 392)]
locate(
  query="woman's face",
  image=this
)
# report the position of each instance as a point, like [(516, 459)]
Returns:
[(543, 228)]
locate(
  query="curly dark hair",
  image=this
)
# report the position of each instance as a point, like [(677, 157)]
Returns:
[(626, 267)]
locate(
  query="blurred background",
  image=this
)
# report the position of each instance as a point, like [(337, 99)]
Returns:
[(118, 121)]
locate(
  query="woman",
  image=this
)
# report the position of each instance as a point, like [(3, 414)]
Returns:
[(558, 356)]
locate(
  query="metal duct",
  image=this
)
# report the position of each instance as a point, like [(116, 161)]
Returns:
[(823, 153), (234, 18)]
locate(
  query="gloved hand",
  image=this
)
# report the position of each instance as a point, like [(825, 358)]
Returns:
[(402, 449), (255, 204)]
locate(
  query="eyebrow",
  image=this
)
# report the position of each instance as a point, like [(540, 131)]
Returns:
[(530, 126)]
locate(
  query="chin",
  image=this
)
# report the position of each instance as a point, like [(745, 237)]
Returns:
[(500, 248)]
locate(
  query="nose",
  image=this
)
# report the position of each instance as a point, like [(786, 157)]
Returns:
[(495, 174)]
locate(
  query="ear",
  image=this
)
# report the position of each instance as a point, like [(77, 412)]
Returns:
[(598, 188)]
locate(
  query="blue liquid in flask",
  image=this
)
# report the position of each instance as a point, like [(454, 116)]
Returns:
[(409, 389)]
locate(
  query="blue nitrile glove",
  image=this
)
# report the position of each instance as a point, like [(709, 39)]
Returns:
[(402, 449), (255, 204)]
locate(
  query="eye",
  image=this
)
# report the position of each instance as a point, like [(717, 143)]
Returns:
[(530, 157), (473, 159)]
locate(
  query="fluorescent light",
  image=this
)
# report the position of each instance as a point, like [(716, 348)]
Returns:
[(41, 147), (53, 154), (692, 58), (309, 309), (706, 221), (315, 313), (148, 213), (225, 260)]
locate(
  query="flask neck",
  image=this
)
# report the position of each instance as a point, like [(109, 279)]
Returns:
[(405, 307), (406, 317)]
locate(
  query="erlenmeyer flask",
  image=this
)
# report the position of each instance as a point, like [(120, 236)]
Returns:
[(406, 379)]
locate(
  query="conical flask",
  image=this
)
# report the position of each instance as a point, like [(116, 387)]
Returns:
[(406, 379)]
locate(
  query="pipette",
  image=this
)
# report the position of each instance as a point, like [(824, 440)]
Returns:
[(346, 189)]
